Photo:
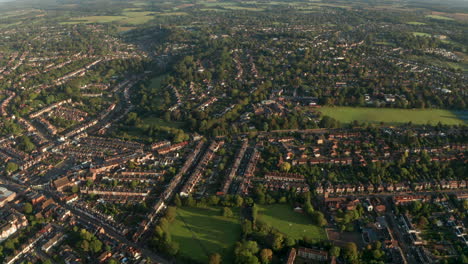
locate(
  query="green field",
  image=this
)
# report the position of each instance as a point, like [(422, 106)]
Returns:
[(439, 17), (415, 23), (295, 225), (422, 34), (128, 17), (396, 116), (156, 84), (202, 231)]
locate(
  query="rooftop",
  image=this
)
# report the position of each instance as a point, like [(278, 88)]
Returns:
[(4, 192)]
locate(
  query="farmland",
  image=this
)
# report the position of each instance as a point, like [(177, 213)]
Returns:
[(395, 116)]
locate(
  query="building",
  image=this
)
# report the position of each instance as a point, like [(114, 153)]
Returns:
[(10, 222), (6, 196), (312, 254), (61, 183), (291, 256), (53, 241)]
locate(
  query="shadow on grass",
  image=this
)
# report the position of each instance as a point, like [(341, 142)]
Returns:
[(461, 114), (203, 232)]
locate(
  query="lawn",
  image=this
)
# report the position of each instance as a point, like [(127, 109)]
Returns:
[(396, 116), (295, 225), (202, 231)]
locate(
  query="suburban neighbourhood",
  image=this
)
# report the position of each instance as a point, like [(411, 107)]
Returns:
[(240, 132)]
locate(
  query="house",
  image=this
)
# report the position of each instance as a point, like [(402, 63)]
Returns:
[(402, 199), (389, 187), (319, 188), (291, 256), (6, 196), (61, 183), (10, 222), (334, 203), (53, 241), (368, 205)]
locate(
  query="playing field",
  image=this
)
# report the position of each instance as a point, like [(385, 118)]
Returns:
[(295, 225), (396, 116), (202, 231)]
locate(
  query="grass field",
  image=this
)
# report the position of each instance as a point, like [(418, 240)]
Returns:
[(422, 34), (396, 116), (415, 23), (128, 17), (202, 231), (295, 225), (161, 122), (439, 17), (156, 84)]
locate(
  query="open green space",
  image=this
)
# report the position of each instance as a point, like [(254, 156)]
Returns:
[(439, 17), (422, 34), (162, 123), (127, 17), (415, 23), (156, 84), (396, 116), (386, 43), (295, 225), (173, 14), (202, 231)]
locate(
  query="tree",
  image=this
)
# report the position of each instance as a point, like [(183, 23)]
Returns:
[(319, 218), (227, 212), (9, 245), (238, 200), (75, 189), (277, 241), (351, 252), (246, 246), (25, 144), (172, 248), (213, 200), (335, 251), (266, 255), (423, 222), (285, 166), (177, 201), (27, 208), (247, 258), (95, 246), (189, 201), (11, 167), (254, 213), (171, 213), (215, 258), (84, 245)]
